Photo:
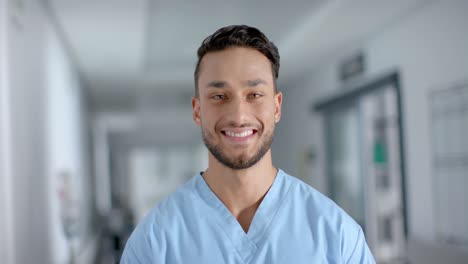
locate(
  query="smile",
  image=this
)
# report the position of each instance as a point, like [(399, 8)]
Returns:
[(239, 135)]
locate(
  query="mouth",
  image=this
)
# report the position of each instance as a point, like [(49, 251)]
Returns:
[(239, 135)]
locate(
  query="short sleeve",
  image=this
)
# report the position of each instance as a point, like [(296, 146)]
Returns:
[(361, 253), (129, 256), (137, 250), (142, 247)]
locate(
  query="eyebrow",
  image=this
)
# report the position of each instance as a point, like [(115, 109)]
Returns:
[(217, 84), (253, 83), (249, 83)]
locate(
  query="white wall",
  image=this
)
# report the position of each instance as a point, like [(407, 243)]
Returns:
[(68, 141), (6, 203), (23, 125), (42, 128), (27, 129), (429, 49)]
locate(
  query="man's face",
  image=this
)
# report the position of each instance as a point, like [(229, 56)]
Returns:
[(237, 107)]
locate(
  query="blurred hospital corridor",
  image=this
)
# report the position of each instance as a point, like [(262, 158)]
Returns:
[(96, 118)]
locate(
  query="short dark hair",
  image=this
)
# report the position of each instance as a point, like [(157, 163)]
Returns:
[(239, 36)]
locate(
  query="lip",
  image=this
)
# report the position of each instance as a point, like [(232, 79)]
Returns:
[(239, 135)]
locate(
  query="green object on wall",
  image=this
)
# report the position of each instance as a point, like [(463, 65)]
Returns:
[(380, 154)]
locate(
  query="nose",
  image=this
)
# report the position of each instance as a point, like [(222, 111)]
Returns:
[(238, 112)]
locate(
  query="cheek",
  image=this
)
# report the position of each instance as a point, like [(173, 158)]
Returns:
[(207, 116), (265, 110)]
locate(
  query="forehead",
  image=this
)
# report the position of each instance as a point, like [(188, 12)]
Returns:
[(234, 62)]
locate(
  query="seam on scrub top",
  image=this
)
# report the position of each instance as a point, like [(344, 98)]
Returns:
[(282, 202), (355, 245)]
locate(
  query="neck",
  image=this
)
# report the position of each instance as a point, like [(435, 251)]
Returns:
[(241, 191)]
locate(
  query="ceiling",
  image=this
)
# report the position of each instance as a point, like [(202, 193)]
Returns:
[(137, 56), (129, 50)]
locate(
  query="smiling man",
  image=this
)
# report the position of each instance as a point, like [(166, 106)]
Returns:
[(242, 209)]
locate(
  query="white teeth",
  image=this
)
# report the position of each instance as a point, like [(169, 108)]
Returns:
[(239, 135)]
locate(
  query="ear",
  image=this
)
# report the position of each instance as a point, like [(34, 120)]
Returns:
[(196, 110), (278, 104)]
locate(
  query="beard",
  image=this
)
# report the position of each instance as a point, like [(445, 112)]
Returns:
[(240, 162)]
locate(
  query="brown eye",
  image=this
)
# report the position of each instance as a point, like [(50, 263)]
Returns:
[(255, 95), (218, 97)]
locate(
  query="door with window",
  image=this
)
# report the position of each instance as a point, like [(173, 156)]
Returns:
[(365, 167)]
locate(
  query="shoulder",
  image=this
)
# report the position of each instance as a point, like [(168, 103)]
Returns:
[(182, 198), (149, 235), (172, 208), (316, 202), (326, 218)]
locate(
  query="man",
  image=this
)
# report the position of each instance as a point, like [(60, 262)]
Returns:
[(242, 209)]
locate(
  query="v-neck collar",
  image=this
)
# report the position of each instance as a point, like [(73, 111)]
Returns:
[(246, 244)]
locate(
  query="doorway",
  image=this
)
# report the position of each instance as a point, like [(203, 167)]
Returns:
[(365, 161)]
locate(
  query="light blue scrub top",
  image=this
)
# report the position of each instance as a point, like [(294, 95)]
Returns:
[(293, 224)]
